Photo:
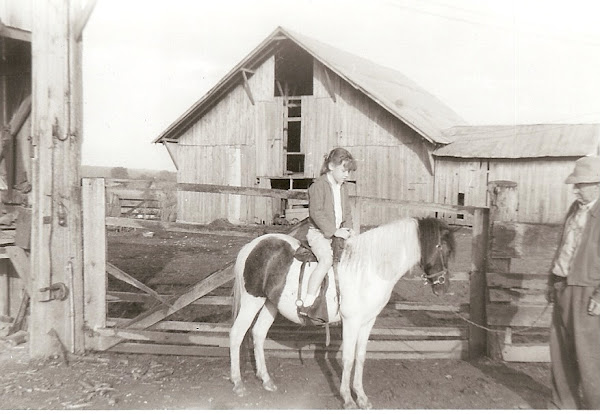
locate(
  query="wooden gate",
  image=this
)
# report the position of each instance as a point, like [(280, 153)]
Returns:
[(153, 332)]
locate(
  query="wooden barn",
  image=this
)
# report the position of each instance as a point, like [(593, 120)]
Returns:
[(536, 157), (269, 122)]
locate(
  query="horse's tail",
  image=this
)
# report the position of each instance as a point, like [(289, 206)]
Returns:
[(238, 278)]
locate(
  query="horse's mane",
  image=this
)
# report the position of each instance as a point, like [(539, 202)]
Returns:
[(431, 232), (389, 250)]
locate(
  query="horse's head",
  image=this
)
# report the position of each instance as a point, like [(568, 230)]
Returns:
[(437, 246)]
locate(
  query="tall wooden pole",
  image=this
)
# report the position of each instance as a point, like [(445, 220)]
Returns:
[(56, 245)]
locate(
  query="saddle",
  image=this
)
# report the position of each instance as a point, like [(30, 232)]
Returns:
[(317, 313)]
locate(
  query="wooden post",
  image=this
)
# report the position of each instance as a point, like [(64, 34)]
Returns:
[(94, 256), (4, 288), (56, 242), (504, 202), (477, 279)]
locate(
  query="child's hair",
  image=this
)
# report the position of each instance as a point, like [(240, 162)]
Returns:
[(338, 156)]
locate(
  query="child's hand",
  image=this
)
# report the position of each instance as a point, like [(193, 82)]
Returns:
[(342, 233)]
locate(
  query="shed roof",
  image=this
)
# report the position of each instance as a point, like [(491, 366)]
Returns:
[(399, 95), (521, 141)]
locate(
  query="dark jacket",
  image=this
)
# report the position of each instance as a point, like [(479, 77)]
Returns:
[(585, 268), (320, 206)]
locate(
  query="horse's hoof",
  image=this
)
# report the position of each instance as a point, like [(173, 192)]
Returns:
[(270, 385), (364, 404), (240, 390), (350, 405)]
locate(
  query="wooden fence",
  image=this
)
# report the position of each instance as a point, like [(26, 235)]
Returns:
[(152, 332), (508, 311), (140, 199)]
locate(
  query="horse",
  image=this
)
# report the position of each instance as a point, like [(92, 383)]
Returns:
[(267, 282)]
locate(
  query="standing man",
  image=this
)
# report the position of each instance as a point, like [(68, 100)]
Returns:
[(574, 287)]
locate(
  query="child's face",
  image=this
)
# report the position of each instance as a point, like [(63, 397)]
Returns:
[(339, 172)]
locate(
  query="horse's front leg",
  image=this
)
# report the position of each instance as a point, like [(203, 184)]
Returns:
[(248, 310), (259, 333), (361, 353), (350, 329)]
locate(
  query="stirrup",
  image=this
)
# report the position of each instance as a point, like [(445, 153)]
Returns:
[(299, 303)]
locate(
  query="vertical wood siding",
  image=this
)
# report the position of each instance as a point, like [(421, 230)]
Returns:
[(237, 142), (543, 196)]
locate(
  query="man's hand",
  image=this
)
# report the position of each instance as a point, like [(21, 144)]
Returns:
[(593, 307)]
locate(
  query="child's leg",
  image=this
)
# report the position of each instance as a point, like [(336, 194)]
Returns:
[(321, 247)]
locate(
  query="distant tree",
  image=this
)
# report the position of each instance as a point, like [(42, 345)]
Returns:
[(119, 172), (165, 175)]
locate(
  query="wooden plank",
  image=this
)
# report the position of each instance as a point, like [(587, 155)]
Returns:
[(20, 261), (4, 289), (524, 239), (160, 312), (521, 315), (94, 255), (20, 318), (56, 193), (517, 295), (424, 306), (454, 276), (145, 298), (381, 331), (306, 343), (477, 283), (160, 349), (23, 228), (526, 353), (176, 227), (124, 277), (82, 19), (517, 280), (227, 301), (248, 191)]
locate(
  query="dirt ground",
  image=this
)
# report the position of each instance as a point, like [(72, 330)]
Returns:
[(170, 261)]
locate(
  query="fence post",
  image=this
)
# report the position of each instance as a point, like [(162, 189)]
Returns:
[(94, 257), (478, 285), (504, 204)]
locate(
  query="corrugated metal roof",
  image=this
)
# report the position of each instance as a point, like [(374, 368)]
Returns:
[(402, 97), (521, 141)]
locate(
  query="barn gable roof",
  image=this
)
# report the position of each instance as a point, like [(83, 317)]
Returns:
[(521, 141), (402, 97)]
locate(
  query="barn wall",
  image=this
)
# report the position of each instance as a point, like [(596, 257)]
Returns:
[(237, 143), (543, 196), (468, 177), (393, 160), (222, 148)]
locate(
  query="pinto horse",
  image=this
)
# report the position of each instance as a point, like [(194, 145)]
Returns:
[(266, 282)]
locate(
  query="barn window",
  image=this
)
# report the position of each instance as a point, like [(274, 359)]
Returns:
[(461, 202), (292, 132), (293, 71)]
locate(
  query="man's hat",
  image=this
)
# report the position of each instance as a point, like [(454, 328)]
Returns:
[(587, 170)]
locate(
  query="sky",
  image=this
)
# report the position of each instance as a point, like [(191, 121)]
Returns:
[(145, 62)]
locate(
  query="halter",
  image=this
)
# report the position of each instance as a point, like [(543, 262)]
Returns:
[(438, 278)]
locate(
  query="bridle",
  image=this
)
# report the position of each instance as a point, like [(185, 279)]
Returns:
[(438, 278)]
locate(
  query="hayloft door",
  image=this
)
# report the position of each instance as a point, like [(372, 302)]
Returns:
[(293, 150)]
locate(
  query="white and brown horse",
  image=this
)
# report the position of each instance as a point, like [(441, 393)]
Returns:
[(266, 282)]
